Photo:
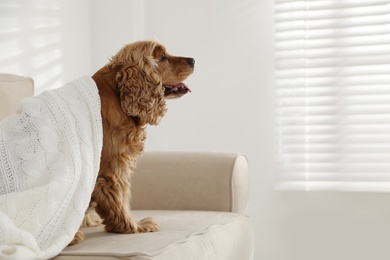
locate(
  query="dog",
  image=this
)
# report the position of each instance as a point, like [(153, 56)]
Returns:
[(133, 88)]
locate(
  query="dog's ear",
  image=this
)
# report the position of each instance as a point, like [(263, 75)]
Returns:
[(141, 92)]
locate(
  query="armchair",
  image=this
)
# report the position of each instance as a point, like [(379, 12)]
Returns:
[(199, 199)]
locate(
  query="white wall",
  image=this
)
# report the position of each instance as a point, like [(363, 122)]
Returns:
[(230, 108), (114, 24), (48, 40)]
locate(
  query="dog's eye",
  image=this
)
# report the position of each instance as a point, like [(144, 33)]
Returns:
[(162, 57)]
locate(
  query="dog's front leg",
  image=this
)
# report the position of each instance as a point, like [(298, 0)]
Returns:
[(112, 195)]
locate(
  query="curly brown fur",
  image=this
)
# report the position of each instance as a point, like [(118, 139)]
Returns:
[(133, 87)]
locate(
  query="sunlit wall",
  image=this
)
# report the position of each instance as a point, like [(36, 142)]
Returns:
[(48, 40)]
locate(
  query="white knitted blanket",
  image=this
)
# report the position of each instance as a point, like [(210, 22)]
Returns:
[(49, 160)]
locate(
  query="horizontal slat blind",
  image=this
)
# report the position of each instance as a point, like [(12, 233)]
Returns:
[(332, 77)]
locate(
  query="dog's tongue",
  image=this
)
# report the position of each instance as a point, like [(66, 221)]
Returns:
[(181, 85)]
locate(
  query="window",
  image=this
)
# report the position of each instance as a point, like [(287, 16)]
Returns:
[(332, 80)]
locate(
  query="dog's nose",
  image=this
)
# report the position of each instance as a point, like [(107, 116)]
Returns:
[(191, 61)]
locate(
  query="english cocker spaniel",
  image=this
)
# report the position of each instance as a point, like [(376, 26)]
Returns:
[(133, 88)]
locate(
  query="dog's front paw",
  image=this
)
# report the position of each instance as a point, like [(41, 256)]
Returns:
[(130, 226), (147, 225), (78, 237)]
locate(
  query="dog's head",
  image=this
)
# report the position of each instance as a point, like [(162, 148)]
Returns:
[(147, 76)]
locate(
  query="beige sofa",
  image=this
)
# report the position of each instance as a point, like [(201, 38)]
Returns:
[(199, 200)]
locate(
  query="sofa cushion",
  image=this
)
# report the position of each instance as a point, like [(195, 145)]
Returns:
[(12, 89), (183, 235)]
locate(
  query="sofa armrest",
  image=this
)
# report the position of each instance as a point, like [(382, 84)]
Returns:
[(13, 88), (191, 181)]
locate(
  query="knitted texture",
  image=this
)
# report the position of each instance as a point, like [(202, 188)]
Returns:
[(49, 160)]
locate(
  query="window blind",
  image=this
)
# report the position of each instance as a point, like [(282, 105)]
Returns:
[(332, 80)]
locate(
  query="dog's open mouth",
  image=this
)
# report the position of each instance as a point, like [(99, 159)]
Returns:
[(177, 89)]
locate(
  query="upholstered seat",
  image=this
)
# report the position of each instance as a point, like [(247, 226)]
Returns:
[(183, 235)]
